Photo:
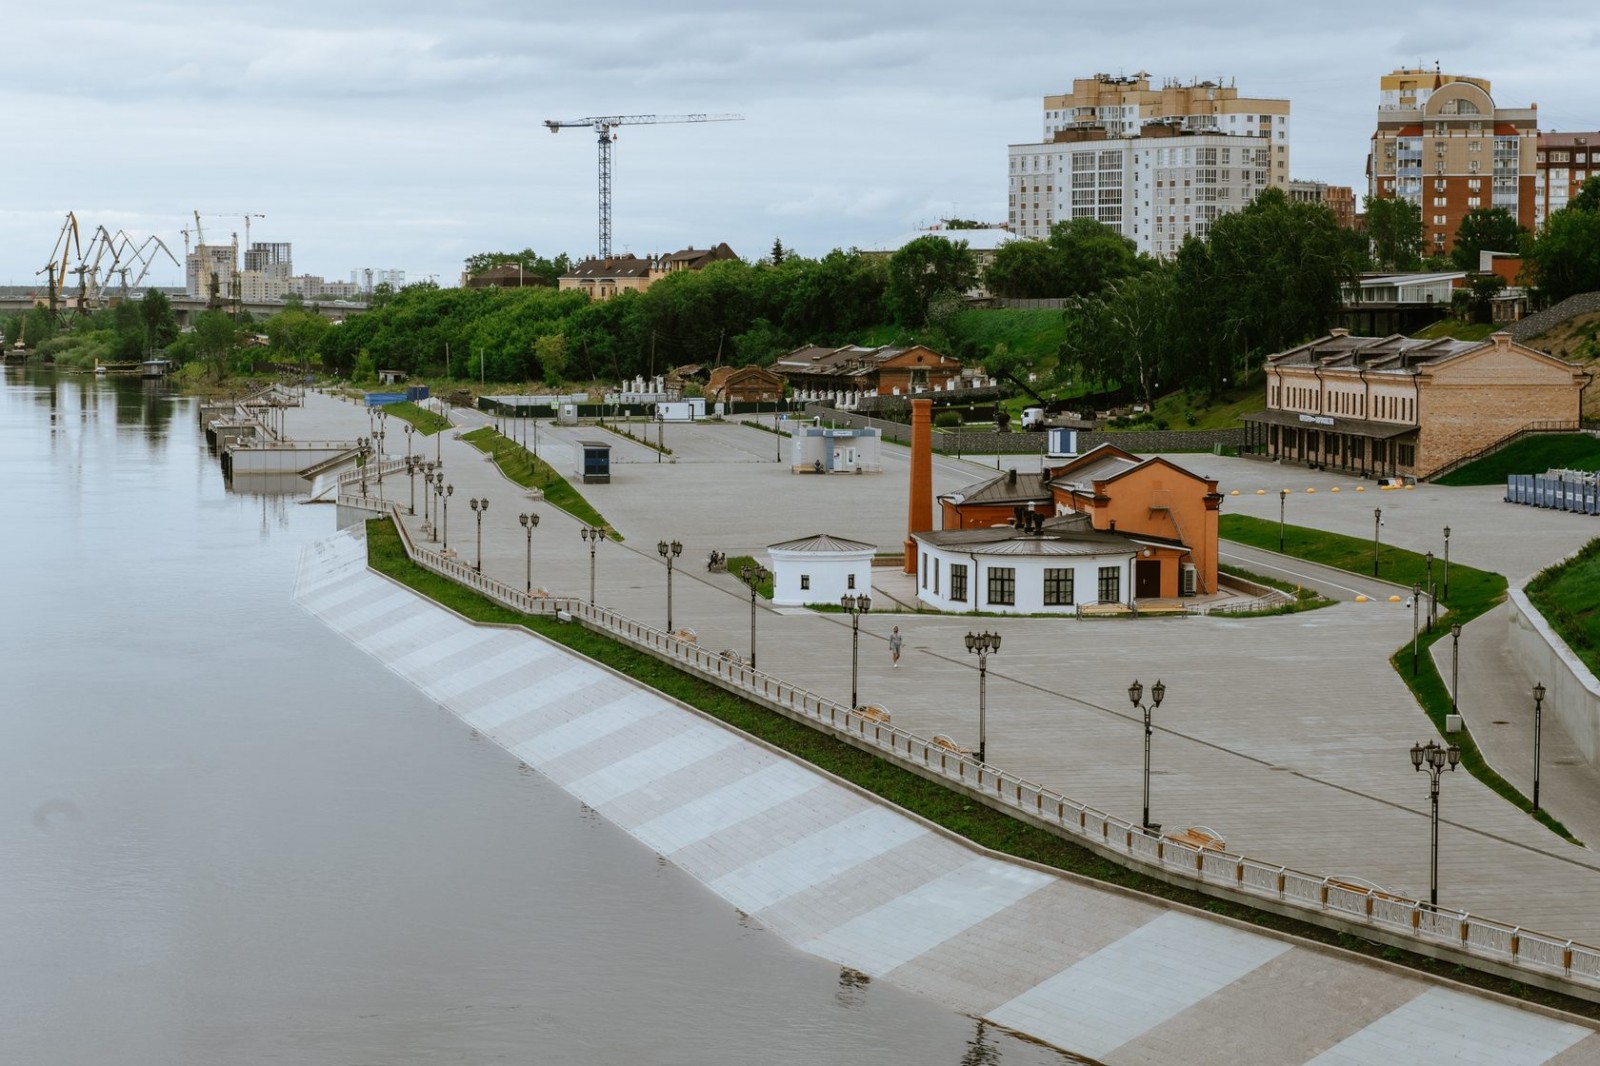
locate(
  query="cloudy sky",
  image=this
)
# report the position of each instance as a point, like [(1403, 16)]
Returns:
[(409, 135)]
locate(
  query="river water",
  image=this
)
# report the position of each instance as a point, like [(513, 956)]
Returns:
[(227, 836)]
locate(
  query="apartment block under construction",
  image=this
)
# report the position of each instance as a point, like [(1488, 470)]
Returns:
[(1155, 163)]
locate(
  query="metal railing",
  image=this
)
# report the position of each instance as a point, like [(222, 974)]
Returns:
[(1402, 918), (1529, 430)]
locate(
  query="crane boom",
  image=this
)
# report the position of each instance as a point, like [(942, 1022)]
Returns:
[(603, 125)]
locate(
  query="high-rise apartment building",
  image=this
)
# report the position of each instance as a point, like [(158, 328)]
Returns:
[(1156, 164), (1442, 144), (1564, 162), (206, 260)]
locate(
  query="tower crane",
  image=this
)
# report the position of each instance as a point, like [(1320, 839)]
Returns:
[(603, 125), (237, 214)]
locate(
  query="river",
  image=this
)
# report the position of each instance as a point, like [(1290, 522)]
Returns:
[(227, 836)]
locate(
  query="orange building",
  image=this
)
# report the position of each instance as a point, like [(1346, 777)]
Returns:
[(994, 501), (1169, 510)]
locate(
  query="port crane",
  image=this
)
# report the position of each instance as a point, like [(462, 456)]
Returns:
[(603, 126)]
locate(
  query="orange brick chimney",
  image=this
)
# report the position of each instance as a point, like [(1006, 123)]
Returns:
[(920, 517)]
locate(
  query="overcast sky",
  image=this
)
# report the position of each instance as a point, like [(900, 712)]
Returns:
[(409, 135)]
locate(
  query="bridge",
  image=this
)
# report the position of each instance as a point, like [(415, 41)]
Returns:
[(185, 308)]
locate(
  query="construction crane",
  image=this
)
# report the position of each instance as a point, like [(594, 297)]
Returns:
[(68, 245), (603, 125), (247, 216)]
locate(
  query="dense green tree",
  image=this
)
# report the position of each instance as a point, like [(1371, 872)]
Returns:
[(1564, 258), (294, 335), (1127, 332), (1488, 230), (534, 265), (1080, 258), (1025, 270), (1394, 226), (1588, 198), (160, 324), (1475, 303), (215, 340), (923, 268)]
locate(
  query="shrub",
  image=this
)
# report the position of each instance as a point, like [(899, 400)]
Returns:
[(947, 419)]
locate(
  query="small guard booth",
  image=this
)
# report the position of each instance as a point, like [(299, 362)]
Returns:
[(819, 569), (594, 462)]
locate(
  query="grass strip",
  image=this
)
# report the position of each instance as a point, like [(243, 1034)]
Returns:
[(1304, 599), (1472, 593), (622, 429), (1531, 455), (954, 811), (737, 563), (529, 471), (428, 422), (1568, 595)]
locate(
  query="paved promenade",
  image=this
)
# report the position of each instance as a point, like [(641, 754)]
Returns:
[(1084, 967), (1288, 736)]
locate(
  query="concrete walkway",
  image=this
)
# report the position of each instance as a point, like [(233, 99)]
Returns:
[(1084, 967), (1289, 736)]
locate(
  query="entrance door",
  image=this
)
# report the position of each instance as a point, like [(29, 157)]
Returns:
[(1147, 579)]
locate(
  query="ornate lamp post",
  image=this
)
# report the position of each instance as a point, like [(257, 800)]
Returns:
[(1283, 496), (530, 522), (1416, 603), (661, 433), (409, 429), (1435, 760), (1158, 692), (1455, 669), (1429, 558), (1447, 564), (1538, 732), (669, 551), (1377, 525), (591, 536), (446, 491), (480, 507), (363, 449), (753, 576), (982, 645), (411, 475), (856, 605)]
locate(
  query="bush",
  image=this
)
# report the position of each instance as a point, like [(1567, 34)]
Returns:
[(947, 419)]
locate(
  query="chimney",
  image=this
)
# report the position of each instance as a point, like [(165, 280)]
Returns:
[(1011, 476), (919, 518)]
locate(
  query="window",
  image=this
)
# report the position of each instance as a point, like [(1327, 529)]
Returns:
[(850, 581), (924, 569), (1110, 584), (1057, 586), (958, 582), (1002, 585), (936, 577), (805, 581)]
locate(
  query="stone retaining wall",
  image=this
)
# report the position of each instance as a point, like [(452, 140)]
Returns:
[(1573, 690), (988, 442)]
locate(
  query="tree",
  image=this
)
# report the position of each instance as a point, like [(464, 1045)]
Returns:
[(1475, 303), (1487, 230), (551, 351), (1091, 255), (1588, 198), (779, 252), (1126, 333), (924, 268), (1564, 259), (214, 340), (160, 324), (1395, 228), (1025, 270), (294, 334)]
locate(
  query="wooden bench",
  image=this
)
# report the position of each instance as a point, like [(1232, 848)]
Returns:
[(872, 712), (1198, 836), (942, 741)]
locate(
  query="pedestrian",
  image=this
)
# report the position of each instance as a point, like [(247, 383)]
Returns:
[(895, 641)]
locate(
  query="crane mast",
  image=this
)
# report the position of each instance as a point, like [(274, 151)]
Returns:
[(603, 125)]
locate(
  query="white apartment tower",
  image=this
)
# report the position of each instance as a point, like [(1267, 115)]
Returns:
[(1155, 164)]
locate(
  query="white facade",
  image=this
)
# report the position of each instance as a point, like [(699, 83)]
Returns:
[(1153, 190), (1020, 582), (819, 569), (834, 451)]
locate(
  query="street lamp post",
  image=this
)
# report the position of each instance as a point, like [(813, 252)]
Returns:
[(427, 504), (449, 491), (1416, 603), (1435, 760), (1447, 564), (363, 449), (982, 645), (1429, 558), (661, 433), (753, 576), (480, 507), (1538, 731), (855, 605), (530, 522), (411, 475), (1283, 496), (669, 551), (409, 428), (591, 536), (1377, 525), (1455, 673), (1158, 692)]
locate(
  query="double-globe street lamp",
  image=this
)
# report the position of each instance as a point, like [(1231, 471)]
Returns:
[(591, 536), (1447, 564), (445, 492), (1377, 526), (413, 464), (1158, 692), (753, 576), (983, 645), (1538, 732), (855, 605), (1416, 605), (480, 507), (669, 550), (530, 522), (1435, 760), (1283, 497)]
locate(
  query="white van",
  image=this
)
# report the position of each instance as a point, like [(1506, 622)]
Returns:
[(1033, 418)]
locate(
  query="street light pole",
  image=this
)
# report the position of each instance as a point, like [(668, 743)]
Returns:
[(1377, 524), (530, 522), (661, 433), (1429, 558), (1455, 673), (855, 605), (480, 507), (981, 645), (1416, 602), (669, 552), (753, 576), (1447, 564), (1538, 722), (449, 491), (1158, 692), (1283, 496), (438, 504), (591, 536), (1434, 759)]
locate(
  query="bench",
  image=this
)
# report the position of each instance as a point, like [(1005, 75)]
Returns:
[(942, 741), (1198, 837), (872, 712)]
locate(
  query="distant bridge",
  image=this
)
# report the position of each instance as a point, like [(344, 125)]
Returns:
[(185, 308)]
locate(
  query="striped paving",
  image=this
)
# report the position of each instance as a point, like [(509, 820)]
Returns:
[(1121, 978)]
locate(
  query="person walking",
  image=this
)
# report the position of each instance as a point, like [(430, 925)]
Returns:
[(895, 640)]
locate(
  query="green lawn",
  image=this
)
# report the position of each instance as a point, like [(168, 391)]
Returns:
[(1472, 592), (1531, 455), (521, 466), (422, 418), (1177, 409), (736, 565), (1462, 331), (977, 822), (1568, 595)]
